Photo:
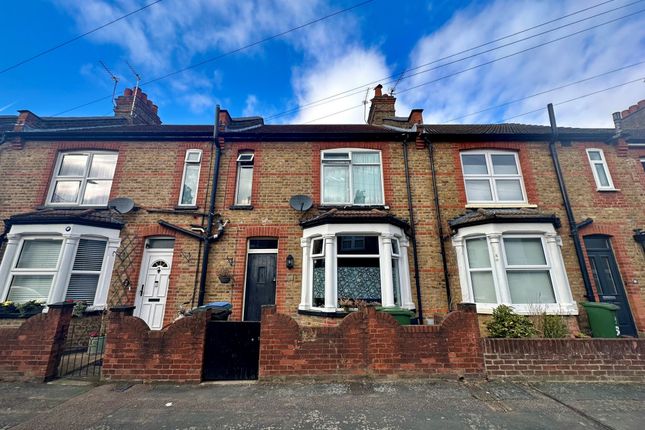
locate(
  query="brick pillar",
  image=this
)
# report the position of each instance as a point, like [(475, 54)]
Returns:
[(58, 318)]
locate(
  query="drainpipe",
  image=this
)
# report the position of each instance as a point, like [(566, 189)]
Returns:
[(435, 192), (413, 234), (567, 206), (211, 211)]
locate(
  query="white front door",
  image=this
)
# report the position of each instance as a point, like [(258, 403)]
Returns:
[(153, 287)]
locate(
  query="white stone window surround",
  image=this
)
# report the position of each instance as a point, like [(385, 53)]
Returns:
[(84, 179), (329, 233), (350, 163), (71, 235), (597, 160), (193, 158), (491, 177), (494, 232)]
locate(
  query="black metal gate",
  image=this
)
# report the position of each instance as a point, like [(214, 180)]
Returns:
[(231, 351), (82, 355)]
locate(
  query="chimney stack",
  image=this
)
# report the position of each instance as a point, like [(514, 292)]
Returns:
[(382, 107), (144, 112)]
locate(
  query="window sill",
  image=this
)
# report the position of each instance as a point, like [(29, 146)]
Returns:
[(241, 207), (316, 313), (532, 309), (327, 206), (499, 205), (608, 190), (186, 208)]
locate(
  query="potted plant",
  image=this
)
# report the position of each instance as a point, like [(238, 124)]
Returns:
[(30, 308), (8, 310), (96, 344), (224, 274)]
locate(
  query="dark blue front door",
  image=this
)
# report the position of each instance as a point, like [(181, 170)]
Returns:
[(608, 282)]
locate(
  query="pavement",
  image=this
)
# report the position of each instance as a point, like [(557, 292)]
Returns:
[(362, 404)]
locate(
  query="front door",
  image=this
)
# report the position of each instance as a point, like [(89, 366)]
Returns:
[(260, 285), (608, 282), (153, 287)]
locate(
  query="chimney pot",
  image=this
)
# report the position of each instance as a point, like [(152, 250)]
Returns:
[(377, 90)]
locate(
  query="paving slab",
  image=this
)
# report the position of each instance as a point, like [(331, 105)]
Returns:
[(363, 404)]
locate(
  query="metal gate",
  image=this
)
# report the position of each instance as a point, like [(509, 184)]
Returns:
[(82, 355), (231, 350)]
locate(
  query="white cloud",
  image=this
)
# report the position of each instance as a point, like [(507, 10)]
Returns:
[(250, 106), (591, 53), (354, 69)]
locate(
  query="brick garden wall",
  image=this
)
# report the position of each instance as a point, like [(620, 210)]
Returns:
[(133, 352), (31, 352), (565, 359), (370, 343)]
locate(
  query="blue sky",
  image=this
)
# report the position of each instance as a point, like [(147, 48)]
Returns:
[(280, 79)]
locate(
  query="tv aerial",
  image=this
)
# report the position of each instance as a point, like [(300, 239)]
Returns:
[(301, 203), (122, 205)]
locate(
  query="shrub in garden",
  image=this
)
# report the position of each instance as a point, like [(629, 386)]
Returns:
[(507, 324)]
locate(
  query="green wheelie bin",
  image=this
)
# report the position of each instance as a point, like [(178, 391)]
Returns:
[(602, 319)]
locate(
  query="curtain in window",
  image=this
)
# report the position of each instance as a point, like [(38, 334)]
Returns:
[(359, 278), (190, 184), (30, 287), (482, 280), (530, 287), (367, 185), (319, 282), (89, 258), (39, 254), (524, 251), (335, 184), (478, 190)]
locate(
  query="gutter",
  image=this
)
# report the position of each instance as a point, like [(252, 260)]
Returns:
[(567, 206), (413, 234), (435, 192)]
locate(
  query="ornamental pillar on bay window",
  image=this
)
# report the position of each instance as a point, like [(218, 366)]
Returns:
[(406, 299), (387, 287), (307, 281), (331, 294)]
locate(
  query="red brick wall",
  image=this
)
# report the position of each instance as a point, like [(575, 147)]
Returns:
[(32, 351), (368, 343), (565, 359), (133, 352)]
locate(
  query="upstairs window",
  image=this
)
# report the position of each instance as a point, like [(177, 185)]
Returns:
[(352, 177), (82, 179), (600, 170), (492, 177), (244, 185), (190, 180)]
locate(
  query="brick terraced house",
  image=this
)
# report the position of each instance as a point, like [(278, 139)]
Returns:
[(397, 212)]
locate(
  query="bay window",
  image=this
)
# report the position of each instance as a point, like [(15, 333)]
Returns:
[(515, 264), (53, 263), (492, 177), (346, 262), (351, 177), (82, 178)]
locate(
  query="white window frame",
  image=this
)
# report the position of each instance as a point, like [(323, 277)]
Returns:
[(188, 162), (495, 234), (491, 176), (642, 160), (245, 160), (330, 233), (83, 179), (350, 179), (602, 162), (70, 234)]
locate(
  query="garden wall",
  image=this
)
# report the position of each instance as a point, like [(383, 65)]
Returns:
[(31, 352), (133, 352), (370, 343), (565, 359)]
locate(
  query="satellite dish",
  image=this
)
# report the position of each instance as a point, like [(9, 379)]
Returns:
[(122, 205), (301, 203)]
